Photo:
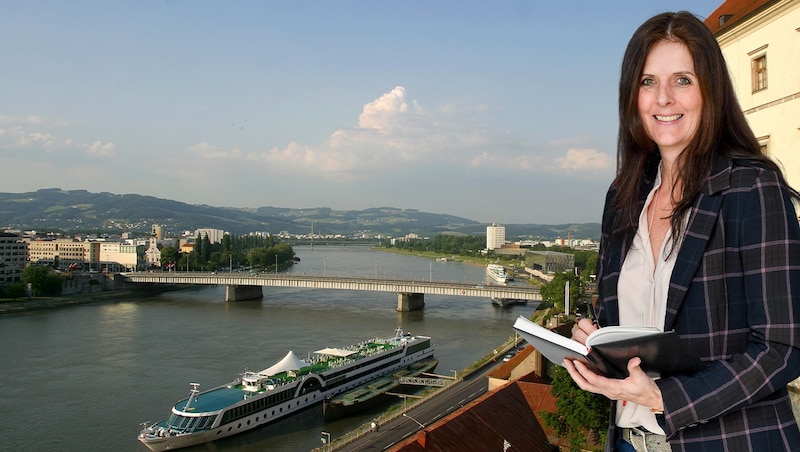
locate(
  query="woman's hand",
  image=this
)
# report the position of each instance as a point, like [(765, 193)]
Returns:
[(637, 388), (582, 329)]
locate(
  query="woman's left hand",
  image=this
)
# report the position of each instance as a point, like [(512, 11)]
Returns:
[(637, 387)]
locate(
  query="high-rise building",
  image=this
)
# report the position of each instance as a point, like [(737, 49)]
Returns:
[(13, 257), (214, 235), (158, 231), (495, 236)]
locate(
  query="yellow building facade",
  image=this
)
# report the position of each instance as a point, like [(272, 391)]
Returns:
[(761, 44)]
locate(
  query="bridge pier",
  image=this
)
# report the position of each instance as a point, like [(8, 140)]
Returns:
[(240, 293), (410, 301)]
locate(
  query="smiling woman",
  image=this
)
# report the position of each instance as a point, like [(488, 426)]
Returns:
[(699, 236), (670, 102)]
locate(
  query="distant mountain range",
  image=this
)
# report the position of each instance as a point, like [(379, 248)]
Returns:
[(83, 211)]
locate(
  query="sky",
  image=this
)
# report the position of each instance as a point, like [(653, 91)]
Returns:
[(495, 111)]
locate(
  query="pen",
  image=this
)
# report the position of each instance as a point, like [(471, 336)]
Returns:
[(590, 310)]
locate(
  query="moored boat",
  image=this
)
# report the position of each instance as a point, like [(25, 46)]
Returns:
[(376, 392), (255, 399), (506, 302), (497, 272)]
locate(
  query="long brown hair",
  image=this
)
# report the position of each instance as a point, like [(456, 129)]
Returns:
[(723, 128)]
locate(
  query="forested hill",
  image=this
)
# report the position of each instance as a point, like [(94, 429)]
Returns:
[(83, 211)]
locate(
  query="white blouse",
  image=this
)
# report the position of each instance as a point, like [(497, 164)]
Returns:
[(642, 293)]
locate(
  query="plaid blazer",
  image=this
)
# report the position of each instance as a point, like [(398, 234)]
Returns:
[(734, 298)]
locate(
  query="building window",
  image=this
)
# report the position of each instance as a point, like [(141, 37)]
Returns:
[(759, 73), (764, 143)]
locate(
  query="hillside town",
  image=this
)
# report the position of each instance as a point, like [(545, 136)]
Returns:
[(108, 254)]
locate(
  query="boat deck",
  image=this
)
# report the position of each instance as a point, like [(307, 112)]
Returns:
[(213, 400), (224, 396)]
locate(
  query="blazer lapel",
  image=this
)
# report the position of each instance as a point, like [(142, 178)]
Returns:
[(702, 219)]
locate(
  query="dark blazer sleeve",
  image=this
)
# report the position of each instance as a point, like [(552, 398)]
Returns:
[(738, 308)]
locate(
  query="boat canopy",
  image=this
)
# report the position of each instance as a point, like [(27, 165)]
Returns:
[(335, 352), (289, 362)]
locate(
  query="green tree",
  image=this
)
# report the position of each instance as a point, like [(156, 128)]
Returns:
[(169, 254), (42, 280), (36, 276), (590, 268), (205, 251), (581, 417), (553, 291), (227, 243), (15, 291)]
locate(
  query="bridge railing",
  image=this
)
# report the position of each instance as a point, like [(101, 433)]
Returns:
[(397, 285)]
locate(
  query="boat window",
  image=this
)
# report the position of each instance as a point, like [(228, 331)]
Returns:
[(192, 423), (173, 419)]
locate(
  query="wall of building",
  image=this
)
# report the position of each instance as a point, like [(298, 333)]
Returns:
[(773, 113)]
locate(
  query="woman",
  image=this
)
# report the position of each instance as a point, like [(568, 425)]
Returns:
[(699, 236)]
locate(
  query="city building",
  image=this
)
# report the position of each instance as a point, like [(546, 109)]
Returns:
[(214, 235), (407, 238), (63, 253), (495, 236), (13, 258), (157, 231), (759, 40), (121, 256), (545, 264), (152, 254)]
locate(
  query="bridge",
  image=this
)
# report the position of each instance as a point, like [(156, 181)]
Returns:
[(411, 294)]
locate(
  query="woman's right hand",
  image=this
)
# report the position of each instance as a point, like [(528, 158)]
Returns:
[(582, 329)]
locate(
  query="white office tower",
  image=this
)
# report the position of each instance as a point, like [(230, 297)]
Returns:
[(495, 236)]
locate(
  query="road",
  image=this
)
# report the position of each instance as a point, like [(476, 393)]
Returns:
[(401, 427)]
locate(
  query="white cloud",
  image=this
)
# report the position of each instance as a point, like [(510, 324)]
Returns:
[(17, 137), (579, 160), (395, 132), (33, 132), (385, 113), (101, 149)]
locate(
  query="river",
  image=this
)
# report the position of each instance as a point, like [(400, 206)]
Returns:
[(84, 377)]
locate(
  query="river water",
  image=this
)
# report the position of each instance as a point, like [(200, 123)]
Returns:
[(83, 378)]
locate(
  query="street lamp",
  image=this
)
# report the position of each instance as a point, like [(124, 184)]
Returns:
[(326, 439), (455, 374), (418, 423)]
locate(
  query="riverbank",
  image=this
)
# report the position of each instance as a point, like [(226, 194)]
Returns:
[(479, 261), (39, 303)]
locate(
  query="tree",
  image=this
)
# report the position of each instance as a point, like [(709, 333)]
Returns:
[(14, 291), (42, 281), (169, 254), (553, 291), (590, 269), (580, 415), (205, 251)]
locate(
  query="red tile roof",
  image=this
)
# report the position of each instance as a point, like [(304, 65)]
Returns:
[(732, 12), (509, 414)]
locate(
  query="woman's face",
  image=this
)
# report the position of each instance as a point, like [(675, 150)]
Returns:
[(670, 102)]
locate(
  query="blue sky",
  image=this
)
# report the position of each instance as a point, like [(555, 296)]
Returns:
[(501, 111)]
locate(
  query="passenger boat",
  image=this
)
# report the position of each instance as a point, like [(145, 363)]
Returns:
[(375, 392), (255, 399), (497, 272), (506, 302)]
